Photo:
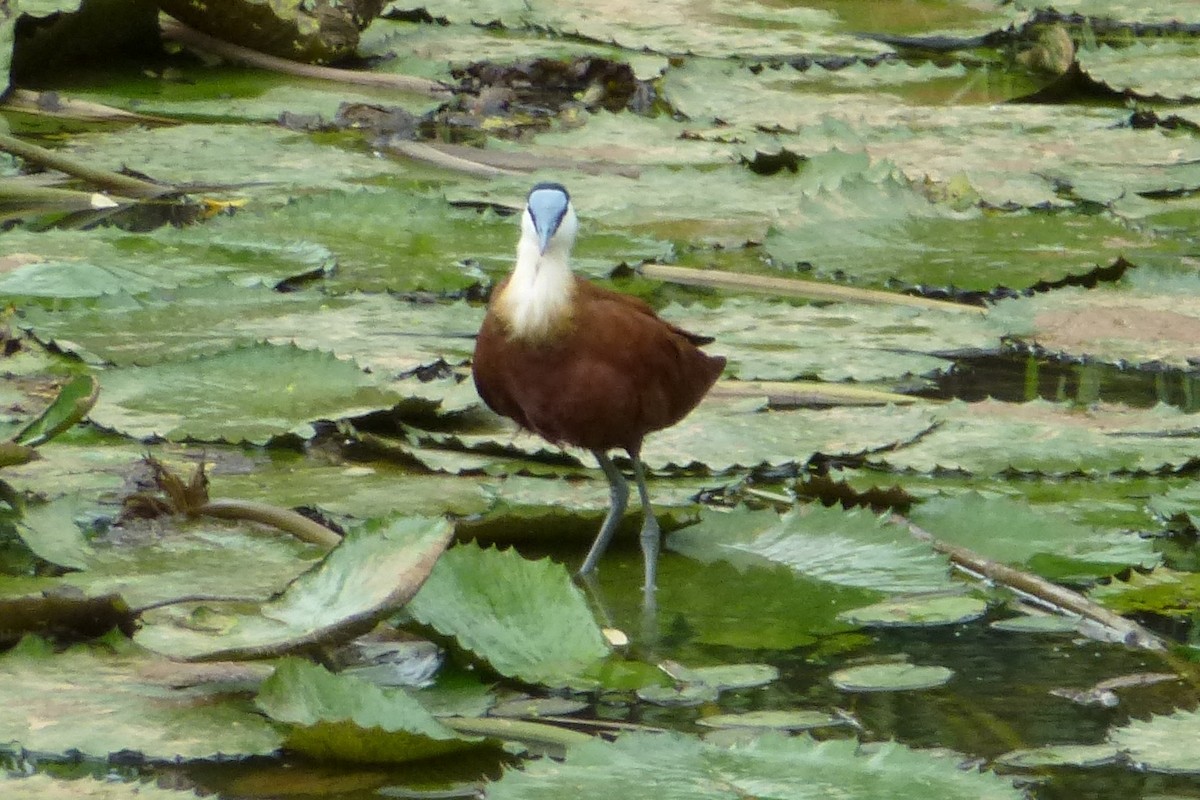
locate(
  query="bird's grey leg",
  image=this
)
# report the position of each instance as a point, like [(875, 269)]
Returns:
[(618, 500), (651, 535)]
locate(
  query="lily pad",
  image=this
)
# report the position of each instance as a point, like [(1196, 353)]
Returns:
[(1039, 437), (777, 341), (890, 678), (525, 619), (1162, 743), (249, 394), (1061, 755), (374, 571), (39, 787), (673, 767), (1165, 70), (918, 611), (778, 719), (127, 703), (852, 548), (727, 676), (1005, 530), (349, 719), (683, 695), (387, 335)]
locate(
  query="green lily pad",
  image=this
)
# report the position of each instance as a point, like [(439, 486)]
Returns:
[(39, 787), (525, 619), (1166, 70), (682, 695), (532, 707), (776, 341), (127, 703), (722, 434), (249, 394), (778, 719), (1163, 743), (225, 93), (847, 548), (1039, 437), (890, 678), (1162, 591), (673, 767), (256, 159), (918, 611), (349, 719), (727, 676), (374, 571), (1061, 755), (174, 325), (1005, 530), (1150, 319)]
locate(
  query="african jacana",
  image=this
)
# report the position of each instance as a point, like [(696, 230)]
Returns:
[(583, 365)]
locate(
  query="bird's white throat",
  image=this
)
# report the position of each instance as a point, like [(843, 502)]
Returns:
[(537, 300), (536, 303)]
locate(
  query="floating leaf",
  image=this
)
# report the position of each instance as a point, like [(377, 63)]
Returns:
[(989, 437), (890, 678), (373, 572), (250, 394), (1009, 531), (70, 406), (918, 611), (121, 706), (524, 618), (1146, 68), (847, 548), (39, 787), (349, 719), (1163, 743), (673, 767), (1061, 755), (778, 719)]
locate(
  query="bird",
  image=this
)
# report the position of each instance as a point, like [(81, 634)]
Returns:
[(582, 365)]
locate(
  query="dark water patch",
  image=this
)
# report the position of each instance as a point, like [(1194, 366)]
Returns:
[(1021, 377)]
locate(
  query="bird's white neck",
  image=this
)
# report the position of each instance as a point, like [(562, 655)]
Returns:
[(537, 300)]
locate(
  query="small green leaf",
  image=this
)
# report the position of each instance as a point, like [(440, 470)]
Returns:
[(1061, 755), (349, 719), (526, 619), (71, 405), (918, 611), (890, 678), (776, 719)]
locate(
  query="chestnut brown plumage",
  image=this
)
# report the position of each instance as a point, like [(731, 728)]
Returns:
[(579, 364)]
